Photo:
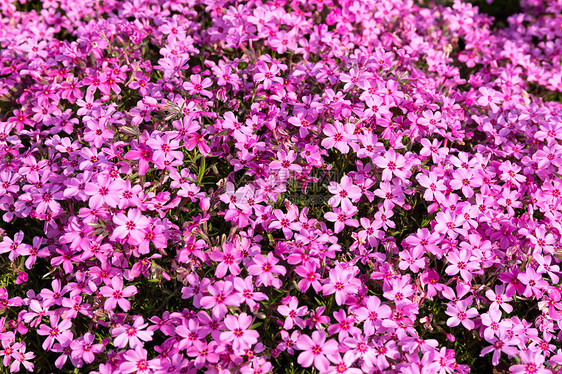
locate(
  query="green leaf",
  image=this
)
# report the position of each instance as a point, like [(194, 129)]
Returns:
[(255, 325), (202, 171)]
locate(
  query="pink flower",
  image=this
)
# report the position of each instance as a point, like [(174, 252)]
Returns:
[(245, 288), (265, 268), (105, 191), (142, 153), (501, 343), (197, 86), (293, 313), (165, 150), (391, 193), (21, 357), (14, 247), (132, 225), (310, 276), (392, 163), (510, 199), (499, 299), (315, 350), (116, 294), (288, 222), (398, 290), (510, 173), (285, 164), (338, 136), (342, 283), (220, 296), (344, 365), (448, 223), (238, 334), (136, 362), (531, 363), (344, 190), (56, 332), (229, 258), (410, 260), (289, 341), (372, 314), (534, 283), (462, 262), (434, 187), (284, 40), (492, 321), (342, 216), (489, 97), (371, 233), (345, 326), (459, 314), (267, 76), (83, 349), (133, 335)]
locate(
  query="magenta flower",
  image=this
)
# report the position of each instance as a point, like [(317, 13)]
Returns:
[(293, 313), (265, 268), (459, 314), (132, 225), (344, 190), (285, 164), (531, 363), (338, 136), (105, 191), (434, 187), (392, 163), (341, 283), (267, 76), (342, 216), (245, 289), (116, 294), (136, 362), (56, 332), (238, 334), (373, 313), (84, 349), (220, 295), (501, 343), (134, 335), (462, 262), (344, 365), (315, 350)]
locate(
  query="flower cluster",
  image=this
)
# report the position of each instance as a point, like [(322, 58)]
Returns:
[(258, 186)]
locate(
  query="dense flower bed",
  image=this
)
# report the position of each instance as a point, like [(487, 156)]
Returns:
[(277, 186)]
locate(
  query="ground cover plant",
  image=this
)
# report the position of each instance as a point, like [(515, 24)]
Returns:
[(305, 186)]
